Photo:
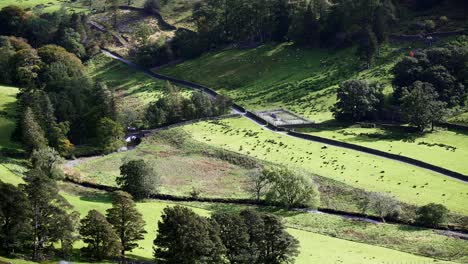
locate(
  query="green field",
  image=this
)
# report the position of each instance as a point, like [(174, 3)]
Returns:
[(180, 169), (7, 112), (133, 89), (314, 247), (272, 76), (442, 148), (408, 183), (45, 6)]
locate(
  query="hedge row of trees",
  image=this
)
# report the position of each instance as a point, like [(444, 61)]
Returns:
[(175, 107), (426, 86)]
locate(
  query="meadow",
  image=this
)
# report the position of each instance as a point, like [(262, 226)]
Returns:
[(7, 113), (181, 170), (283, 75), (44, 6), (133, 89), (313, 246), (445, 148), (407, 183)]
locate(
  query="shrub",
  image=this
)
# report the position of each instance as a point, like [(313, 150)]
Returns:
[(432, 215)]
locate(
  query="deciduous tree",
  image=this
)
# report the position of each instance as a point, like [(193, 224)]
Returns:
[(138, 178)]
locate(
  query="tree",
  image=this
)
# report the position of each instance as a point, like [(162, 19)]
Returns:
[(233, 234), (289, 188), (257, 184), (126, 220), (12, 19), (138, 178), (47, 206), (384, 205), (14, 218), (67, 232), (268, 240), (152, 6), (368, 47), (420, 107), (186, 238), (110, 134), (432, 215), (100, 236), (357, 100), (33, 135), (48, 161)]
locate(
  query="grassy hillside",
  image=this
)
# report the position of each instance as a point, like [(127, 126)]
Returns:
[(272, 76), (408, 183), (314, 247), (44, 5), (442, 148), (133, 89), (181, 169), (7, 112)]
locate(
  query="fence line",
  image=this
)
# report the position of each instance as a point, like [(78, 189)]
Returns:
[(251, 115)]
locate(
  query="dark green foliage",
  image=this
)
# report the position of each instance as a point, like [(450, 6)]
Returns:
[(100, 236), (138, 178), (48, 160), (234, 236), (47, 206), (444, 68), (110, 135), (32, 133), (268, 240), (126, 220), (368, 47), (432, 215), (186, 238), (12, 19), (291, 189), (358, 100), (152, 6), (175, 108), (420, 105), (14, 218)]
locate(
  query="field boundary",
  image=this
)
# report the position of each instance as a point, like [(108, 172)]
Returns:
[(260, 121), (463, 234)]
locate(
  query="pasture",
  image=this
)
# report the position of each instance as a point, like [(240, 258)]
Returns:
[(181, 169), (443, 148), (44, 6), (313, 246), (283, 76), (7, 114), (407, 183), (133, 89)]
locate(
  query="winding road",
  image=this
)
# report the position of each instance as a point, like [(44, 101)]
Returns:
[(249, 115)]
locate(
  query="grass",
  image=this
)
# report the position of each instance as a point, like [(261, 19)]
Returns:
[(180, 169), (7, 112), (133, 89), (45, 6), (407, 183), (442, 148), (314, 247), (282, 75)]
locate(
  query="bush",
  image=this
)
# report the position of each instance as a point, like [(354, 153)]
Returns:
[(152, 6), (432, 215)]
